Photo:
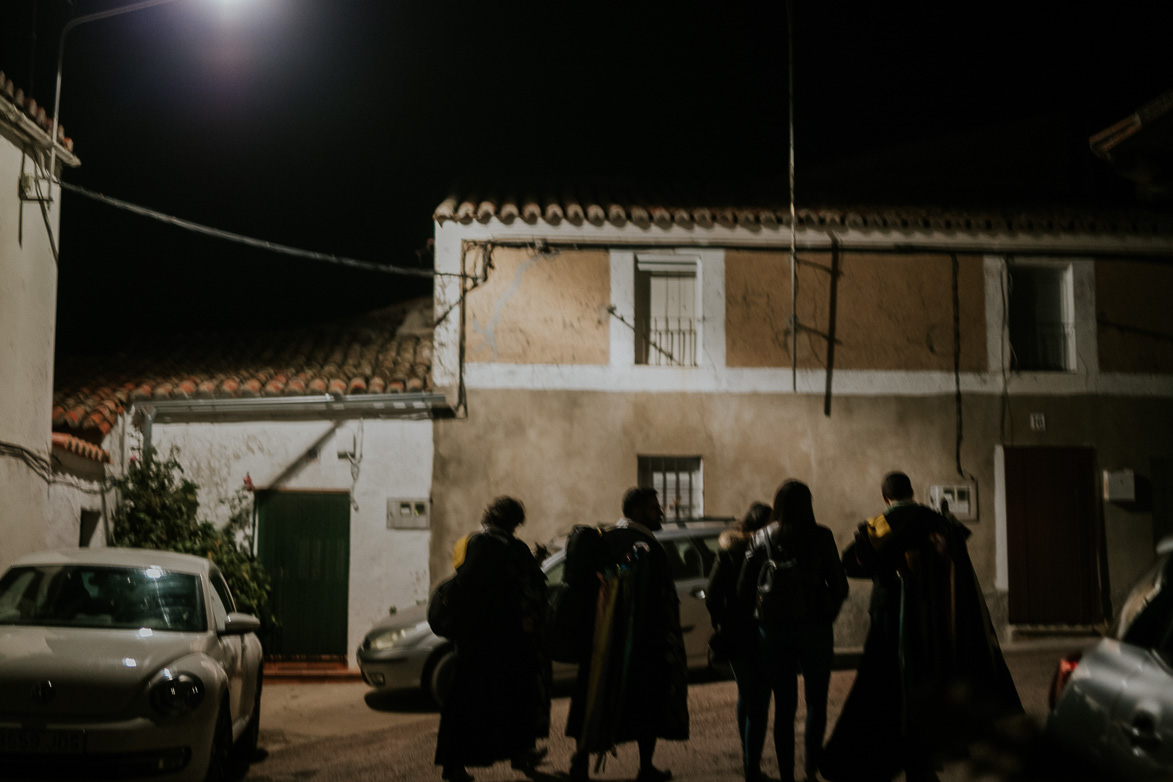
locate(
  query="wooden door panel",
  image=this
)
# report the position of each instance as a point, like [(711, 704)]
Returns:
[(304, 544), (1051, 534)]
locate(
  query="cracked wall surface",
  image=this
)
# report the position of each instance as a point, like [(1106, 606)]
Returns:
[(1135, 319), (893, 312), (541, 308)]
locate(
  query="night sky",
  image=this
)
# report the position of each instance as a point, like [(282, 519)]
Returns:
[(338, 125)]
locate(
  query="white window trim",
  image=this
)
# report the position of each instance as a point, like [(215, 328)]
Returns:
[(1080, 300), (709, 266)]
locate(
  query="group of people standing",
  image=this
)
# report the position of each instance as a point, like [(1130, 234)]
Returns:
[(774, 594)]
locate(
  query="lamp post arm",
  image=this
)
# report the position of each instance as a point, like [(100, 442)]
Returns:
[(72, 23)]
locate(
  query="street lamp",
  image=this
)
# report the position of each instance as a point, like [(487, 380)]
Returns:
[(72, 23)]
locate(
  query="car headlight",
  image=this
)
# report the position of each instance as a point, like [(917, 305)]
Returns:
[(389, 639), (175, 694)]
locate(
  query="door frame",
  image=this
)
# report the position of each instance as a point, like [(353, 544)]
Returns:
[(288, 656)]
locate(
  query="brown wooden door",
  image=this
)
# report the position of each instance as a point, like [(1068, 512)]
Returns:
[(1052, 536)]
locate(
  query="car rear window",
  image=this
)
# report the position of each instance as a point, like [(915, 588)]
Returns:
[(100, 596)]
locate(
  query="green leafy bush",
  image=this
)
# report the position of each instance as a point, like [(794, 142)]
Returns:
[(158, 508)]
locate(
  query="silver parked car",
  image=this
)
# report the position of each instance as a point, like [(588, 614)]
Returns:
[(402, 651), (123, 663), (1112, 704)]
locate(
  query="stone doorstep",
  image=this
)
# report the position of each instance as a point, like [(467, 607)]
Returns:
[(1035, 636), (304, 671)]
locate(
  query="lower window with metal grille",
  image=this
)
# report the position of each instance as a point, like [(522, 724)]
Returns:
[(679, 482)]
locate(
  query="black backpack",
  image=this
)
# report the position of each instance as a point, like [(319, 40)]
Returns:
[(791, 590), (572, 602)]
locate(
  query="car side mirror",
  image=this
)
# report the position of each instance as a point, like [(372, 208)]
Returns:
[(240, 624)]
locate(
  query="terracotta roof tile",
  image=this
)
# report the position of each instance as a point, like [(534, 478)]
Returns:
[(76, 445), (25, 103), (624, 205), (364, 354)]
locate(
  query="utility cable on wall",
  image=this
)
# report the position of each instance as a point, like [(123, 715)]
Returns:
[(43, 467)]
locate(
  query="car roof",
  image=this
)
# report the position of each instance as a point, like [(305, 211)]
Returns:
[(119, 557), (671, 529)]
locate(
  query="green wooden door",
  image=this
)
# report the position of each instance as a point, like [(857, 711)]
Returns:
[(303, 540)]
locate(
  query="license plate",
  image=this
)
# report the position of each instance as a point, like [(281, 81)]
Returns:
[(42, 742)]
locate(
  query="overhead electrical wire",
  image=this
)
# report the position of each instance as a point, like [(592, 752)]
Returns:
[(179, 222)]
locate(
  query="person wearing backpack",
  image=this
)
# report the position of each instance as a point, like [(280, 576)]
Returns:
[(737, 639), (794, 576), (632, 685)]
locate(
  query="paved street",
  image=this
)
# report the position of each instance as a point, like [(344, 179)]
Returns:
[(344, 731)]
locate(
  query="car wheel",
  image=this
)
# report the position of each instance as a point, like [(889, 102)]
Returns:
[(246, 747), (221, 746), (440, 680)]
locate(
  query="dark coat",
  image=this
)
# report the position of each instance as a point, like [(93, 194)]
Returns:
[(931, 664), (499, 702), (640, 682), (731, 615), (814, 546)]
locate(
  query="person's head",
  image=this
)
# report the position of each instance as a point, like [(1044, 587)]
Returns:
[(642, 506), (756, 517), (505, 514), (896, 487), (792, 504)]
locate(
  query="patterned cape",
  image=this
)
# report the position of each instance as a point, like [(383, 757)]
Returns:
[(634, 683)]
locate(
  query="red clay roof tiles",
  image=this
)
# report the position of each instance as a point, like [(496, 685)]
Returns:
[(356, 356), (686, 210)]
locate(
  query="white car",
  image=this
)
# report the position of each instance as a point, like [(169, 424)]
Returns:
[(1112, 704), (124, 663), (402, 651)]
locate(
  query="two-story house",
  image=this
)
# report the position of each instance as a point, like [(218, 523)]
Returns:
[(1018, 365)]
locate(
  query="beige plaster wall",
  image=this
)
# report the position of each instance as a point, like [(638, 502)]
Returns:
[(540, 308), (28, 310), (570, 455), (1134, 316), (893, 312)]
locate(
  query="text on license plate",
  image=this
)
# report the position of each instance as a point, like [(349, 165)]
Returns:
[(47, 742)]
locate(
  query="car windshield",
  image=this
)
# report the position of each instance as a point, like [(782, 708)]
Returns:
[(97, 596)]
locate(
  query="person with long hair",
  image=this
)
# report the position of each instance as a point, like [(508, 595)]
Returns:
[(797, 623)]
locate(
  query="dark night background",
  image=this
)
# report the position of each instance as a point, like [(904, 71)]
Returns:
[(338, 126)]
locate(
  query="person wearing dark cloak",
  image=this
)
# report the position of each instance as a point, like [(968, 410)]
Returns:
[(734, 623), (932, 670), (499, 701), (632, 682), (800, 639)]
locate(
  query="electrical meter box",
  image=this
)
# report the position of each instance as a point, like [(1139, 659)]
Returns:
[(959, 499), (407, 513)]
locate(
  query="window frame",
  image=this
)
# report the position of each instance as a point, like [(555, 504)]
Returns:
[(649, 267), (1063, 271), (1080, 297), (646, 473), (709, 264)]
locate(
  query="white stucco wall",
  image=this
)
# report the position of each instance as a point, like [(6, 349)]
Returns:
[(394, 460), (28, 312)]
